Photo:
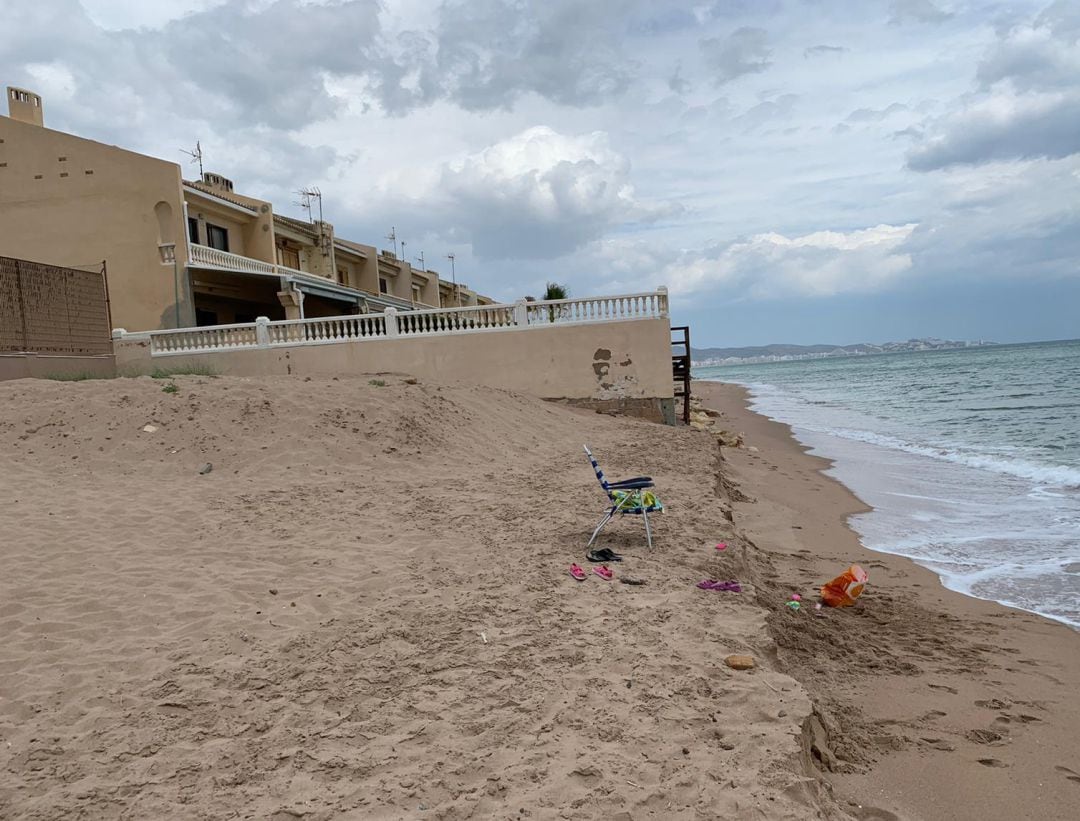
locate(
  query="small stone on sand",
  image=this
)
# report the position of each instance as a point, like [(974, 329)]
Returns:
[(740, 662)]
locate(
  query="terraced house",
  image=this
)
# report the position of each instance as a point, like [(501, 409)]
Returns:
[(181, 253)]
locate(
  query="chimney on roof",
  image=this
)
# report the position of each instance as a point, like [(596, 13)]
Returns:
[(217, 181), (25, 106)]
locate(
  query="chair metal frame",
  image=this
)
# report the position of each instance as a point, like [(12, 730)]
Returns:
[(621, 507)]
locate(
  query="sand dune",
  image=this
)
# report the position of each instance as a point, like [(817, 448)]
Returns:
[(363, 611)]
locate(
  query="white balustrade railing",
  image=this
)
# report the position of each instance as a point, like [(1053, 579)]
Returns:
[(204, 255), (600, 308), (455, 320), (329, 329), (211, 338), (393, 324)]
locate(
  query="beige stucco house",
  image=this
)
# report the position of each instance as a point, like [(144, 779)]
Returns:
[(181, 253)]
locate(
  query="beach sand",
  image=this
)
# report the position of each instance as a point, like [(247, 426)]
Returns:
[(937, 705), (363, 610)]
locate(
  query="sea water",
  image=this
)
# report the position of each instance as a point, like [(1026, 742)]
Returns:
[(970, 459)]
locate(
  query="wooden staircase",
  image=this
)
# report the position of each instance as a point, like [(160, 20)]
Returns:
[(680, 367)]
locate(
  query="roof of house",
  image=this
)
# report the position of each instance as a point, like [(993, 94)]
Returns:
[(363, 250), (297, 225), (235, 199)]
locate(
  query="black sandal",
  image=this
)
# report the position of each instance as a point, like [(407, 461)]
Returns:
[(604, 554)]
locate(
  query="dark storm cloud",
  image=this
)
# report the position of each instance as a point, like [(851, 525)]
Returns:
[(1040, 129)]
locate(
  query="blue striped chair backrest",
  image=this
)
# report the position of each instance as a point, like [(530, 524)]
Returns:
[(599, 473)]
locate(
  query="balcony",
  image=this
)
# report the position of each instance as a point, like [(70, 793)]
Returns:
[(202, 256)]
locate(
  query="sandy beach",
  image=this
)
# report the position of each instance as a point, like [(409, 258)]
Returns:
[(363, 610)]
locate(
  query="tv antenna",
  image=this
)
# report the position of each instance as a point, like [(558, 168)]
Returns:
[(403, 257), (392, 236), (453, 278), (308, 197), (196, 156), (423, 267)]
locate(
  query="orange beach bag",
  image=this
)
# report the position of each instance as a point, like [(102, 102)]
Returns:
[(845, 588)]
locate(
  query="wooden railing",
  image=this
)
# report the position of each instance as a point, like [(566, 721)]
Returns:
[(392, 324)]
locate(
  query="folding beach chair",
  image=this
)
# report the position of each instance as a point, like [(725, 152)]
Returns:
[(627, 496)]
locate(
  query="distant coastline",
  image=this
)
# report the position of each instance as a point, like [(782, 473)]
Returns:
[(713, 357)]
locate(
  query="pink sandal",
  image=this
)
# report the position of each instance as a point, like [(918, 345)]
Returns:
[(604, 572), (577, 572)]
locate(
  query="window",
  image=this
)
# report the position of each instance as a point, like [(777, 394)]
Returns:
[(416, 293), (287, 255), (343, 276), (217, 237), (193, 230), (384, 287)]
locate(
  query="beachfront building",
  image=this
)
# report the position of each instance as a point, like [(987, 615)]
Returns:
[(178, 252)]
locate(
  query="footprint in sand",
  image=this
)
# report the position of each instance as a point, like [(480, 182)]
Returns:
[(992, 762), (938, 744), (1069, 774), (944, 687), (985, 736)]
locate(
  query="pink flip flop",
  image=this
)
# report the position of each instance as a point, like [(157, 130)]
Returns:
[(604, 572), (577, 572)]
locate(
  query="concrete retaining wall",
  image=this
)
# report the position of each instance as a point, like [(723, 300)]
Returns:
[(614, 364), (41, 366)]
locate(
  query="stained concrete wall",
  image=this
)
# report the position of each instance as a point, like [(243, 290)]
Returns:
[(619, 365)]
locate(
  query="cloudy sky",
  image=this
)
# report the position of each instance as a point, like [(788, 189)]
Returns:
[(793, 170)]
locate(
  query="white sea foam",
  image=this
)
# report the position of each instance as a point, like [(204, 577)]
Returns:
[(981, 500), (1051, 475)]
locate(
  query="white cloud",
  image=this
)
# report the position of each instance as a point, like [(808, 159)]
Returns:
[(1026, 104), (538, 194), (824, 263), (770, 265)]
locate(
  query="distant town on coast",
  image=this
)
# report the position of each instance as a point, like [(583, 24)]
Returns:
[(711, 357)]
